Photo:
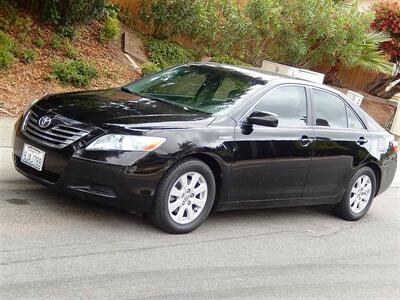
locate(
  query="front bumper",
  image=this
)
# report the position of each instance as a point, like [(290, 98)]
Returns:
[(131, 187)]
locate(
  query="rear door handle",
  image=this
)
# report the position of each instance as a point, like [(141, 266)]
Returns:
[(362, 140), (305, 140)]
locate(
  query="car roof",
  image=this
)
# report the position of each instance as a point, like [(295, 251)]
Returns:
[(238, 69), (266, 76), (257, 73)]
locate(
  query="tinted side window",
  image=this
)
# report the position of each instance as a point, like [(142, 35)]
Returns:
[(353, 121), (330, 110), (289, 103)]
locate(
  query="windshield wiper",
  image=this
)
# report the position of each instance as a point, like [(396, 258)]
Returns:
[(151, 97), (125, 89)]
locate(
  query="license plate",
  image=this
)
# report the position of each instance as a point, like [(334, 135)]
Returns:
[(33, 157)]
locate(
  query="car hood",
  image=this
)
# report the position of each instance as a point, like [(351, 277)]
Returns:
[(116, 107)]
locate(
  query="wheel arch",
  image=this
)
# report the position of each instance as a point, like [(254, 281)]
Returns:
[(214, 165), (378, 174)]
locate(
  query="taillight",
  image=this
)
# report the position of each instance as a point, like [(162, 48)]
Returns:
[(394, 145)]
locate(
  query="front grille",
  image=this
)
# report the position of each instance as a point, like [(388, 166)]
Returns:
[(58, 136)]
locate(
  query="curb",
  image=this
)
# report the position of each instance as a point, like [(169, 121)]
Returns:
[(6, 130)]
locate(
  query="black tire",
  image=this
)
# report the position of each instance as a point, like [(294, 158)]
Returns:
[(159, 215), (343, 209)]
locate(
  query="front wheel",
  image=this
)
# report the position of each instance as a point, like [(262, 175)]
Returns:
[(359, 195), (184, 197)]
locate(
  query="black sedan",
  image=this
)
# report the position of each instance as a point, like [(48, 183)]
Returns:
[(195, 137)]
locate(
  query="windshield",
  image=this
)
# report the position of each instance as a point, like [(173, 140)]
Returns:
[(203, 88)]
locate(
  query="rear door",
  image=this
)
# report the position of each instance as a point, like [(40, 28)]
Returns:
[(341, 145), (272, 163)]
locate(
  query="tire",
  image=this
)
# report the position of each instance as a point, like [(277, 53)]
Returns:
[(354, 204), (177, 209)]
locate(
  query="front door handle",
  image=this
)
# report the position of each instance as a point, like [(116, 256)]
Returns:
[(362, 140), (305, 140)]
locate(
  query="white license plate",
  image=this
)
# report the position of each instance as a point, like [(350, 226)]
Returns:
[(33, 157)]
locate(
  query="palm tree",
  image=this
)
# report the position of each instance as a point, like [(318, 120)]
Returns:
[(370, 57)]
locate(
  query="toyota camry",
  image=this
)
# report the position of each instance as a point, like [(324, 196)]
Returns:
[(200, 137)]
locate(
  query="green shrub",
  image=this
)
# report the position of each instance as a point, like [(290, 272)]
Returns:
[(110, 30), (78, 73), (68, 32), (29, 56), (166, 19), (10, 14), (23, 24), (150, 68), (48, 77), (7, 42), (40, 32), (67, 12), (225, 59), (8, 48), (166, 54), (56, 41), (69, 50), (39, 42), (6, 58)]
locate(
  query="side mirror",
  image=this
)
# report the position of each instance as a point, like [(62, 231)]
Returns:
[(263, 118), (322, 122)]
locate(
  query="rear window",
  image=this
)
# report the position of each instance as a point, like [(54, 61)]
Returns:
[(330, 111), (353, 121)]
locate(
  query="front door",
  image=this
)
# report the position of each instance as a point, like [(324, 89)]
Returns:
[(272, 163)]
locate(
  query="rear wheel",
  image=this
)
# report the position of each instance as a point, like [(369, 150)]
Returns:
[(184, 198), (358, 196)]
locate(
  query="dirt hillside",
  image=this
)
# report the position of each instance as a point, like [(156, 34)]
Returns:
[(22, 83)]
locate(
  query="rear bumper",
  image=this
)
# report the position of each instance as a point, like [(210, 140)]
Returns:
[(131, 187), (388, 169)]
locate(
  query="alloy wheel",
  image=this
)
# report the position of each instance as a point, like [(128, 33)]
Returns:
[(360, 194), (187, 197)]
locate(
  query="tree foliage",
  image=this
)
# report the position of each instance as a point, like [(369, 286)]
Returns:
[(387, 19), (371, 57), (165, 54), (66, 12), (302, 33), (167, 18)]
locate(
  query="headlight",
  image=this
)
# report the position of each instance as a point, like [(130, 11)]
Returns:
[(126, 143)]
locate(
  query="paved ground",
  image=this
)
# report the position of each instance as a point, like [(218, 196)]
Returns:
[(53, 246)]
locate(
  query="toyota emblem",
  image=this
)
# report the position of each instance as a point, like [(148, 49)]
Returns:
[(44, 122)]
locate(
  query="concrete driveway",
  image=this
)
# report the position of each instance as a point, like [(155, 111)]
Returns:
[(54, 246)]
